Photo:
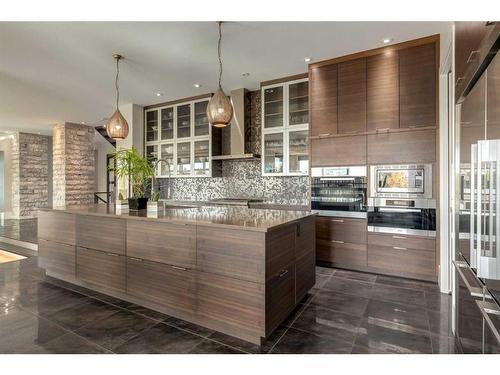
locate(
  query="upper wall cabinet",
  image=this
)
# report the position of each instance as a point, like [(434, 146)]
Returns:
[(382, 81), (285, 128), (180, 135), (352, 96), (324, 108), (417, 86)]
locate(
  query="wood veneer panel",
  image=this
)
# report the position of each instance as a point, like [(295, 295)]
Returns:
[(410, 242), (417, 86), (341, 229), (57, 257), (341, 151), (418, 146), (323, 100), (305, 274), (101, 233), (383, 91), (352, 96), (232, 306), (235, 253), (163, 285), (56, 226), (280, 297), (305, 241), (107, 270), (173, 244), (280, 245), (341, 254)]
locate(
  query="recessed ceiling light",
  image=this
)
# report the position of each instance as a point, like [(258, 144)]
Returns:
[(386, 40), (83, 122), (197, 85), (245, 74), (159, 94), (307, 59)]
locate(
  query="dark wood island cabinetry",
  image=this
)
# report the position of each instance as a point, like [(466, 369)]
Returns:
[(237, 271)]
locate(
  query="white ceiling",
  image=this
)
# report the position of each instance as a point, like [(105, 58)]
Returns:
[(54, 72)]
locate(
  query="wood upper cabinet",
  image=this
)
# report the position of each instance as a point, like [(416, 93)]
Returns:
[(323, 99), (341, 151), (382, 85), (352, 96), (417, 146), (417, 86)]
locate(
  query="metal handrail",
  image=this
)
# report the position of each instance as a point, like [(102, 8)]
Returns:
[(97, 198)]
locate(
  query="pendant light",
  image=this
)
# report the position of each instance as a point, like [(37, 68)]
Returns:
[(117, 127), (219, 108)]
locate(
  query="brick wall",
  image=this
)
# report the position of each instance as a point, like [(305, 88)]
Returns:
[(73, 164), (30, 177)]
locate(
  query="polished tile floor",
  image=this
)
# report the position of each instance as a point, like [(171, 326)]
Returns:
[(21, 230), (346, 312)]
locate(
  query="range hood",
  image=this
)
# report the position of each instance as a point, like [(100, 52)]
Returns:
[(235, 139)]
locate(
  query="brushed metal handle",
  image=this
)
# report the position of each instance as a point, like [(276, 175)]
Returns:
[(136, 259), (337, 220), (179, 268), (324, 134), (283, 273), (399, 237), (399, 248), (112, 255), (470, 56), (380, 130), (337, 241), (486, 309)]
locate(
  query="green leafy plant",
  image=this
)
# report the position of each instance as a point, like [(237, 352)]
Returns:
[(155, 197), (129, 163)]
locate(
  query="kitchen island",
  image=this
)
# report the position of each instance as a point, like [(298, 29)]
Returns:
[(235, 270)]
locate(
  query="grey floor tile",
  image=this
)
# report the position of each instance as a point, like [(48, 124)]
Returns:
[(399, 295), (116, 329), (71, 343), (212, 347), (444, 345), (355, 275), (351, 287), (439, 323), (190, 327), (320, 281), (160, 339), (407, 283), (324, 271), (438, 301), (300, 342), (152, 314), (410, 316), (340, 302), (60, 300)]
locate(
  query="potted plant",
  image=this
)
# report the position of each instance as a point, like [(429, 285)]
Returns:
[(129, 163)]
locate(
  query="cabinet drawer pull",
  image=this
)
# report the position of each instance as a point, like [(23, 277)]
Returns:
[(112, 254), (324, 135), (338, 220), (283, 273), (399, 237), (470, 56), (382, 130), (337, 241), (136, 259), (179, 268), (399, 248)]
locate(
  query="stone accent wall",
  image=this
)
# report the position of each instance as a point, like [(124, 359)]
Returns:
[(30, 177), (73, 165)]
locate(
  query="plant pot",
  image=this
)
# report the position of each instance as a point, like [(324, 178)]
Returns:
[(138, 203)]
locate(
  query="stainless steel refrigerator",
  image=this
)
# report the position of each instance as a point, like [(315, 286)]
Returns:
[(477, 258)]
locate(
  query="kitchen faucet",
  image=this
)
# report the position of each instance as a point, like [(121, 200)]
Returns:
[(153, 179)]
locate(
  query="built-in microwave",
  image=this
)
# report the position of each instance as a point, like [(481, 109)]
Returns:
[(401, 181)]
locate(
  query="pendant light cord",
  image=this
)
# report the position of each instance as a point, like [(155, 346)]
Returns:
[(117, 82), (218, 53)]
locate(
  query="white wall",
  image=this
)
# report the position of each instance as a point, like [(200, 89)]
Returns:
[(5, 146)]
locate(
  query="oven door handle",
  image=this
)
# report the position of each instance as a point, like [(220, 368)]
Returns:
[(386, 209)]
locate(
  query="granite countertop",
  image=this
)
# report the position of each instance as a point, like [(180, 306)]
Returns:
[(233, 217)]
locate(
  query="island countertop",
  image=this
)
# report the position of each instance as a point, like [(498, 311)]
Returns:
[(261, 220)]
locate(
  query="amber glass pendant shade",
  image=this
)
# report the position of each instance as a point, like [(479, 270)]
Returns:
[(219, 110), (117, 126)]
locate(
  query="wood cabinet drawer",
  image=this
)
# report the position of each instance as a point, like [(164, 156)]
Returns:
[(342, 151), (57, 258), (280, 297), (305, 274), (169, 286), (409, 262), (56, 226), (418, 146), (407, 242), (229, 252), (100, 268), (101, 233), (341, 229), (341, 253), (280, 245), (231, 306), (306, 237), (173, 244)]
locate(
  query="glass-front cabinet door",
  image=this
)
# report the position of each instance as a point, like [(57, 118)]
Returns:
[(201, 158), (167, 153), (298, 103), (273, 153), (167, 123), (152, 126), (184, 121), (298, 157), (184, 158), (201, 125), (152, 153), (273, 107)]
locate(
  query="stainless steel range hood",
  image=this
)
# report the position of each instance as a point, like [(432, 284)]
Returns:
[(239, 130)]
